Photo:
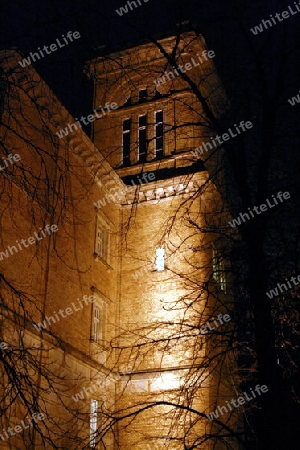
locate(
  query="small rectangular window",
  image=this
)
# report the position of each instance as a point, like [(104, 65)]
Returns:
[(160, 259), (142, 142), (126, 142), (93, 423), (159, 136), (142, 95)]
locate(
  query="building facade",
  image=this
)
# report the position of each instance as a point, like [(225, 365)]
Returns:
[(107, 297)]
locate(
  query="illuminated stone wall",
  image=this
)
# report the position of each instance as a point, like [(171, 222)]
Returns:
[(58, 273), (151, 349)]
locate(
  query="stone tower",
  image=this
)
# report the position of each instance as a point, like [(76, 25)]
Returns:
[(148, 139)]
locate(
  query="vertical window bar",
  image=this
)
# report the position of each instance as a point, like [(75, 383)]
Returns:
[(99, 242), (142, 138), (102, 243), (93, 423), (126, 142), (105, 244), (96, 323), (159, 136)]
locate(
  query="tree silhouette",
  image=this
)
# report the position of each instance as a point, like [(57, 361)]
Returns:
[(219, 270)]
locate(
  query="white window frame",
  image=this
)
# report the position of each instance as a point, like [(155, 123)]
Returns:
[(98, 322), (140, 129), (99, 243), (156, 124), (93, 423), (160, 259), (102, 240)]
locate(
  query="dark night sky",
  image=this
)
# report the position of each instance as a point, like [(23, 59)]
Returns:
[(38, 23), (30, 24)]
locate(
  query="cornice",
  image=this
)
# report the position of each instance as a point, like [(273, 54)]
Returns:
[(155, 191), (57, 116), (138, 55)]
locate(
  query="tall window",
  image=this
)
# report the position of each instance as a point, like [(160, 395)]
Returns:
[(160, 259), (99, 316), (99, 243), (126, 142), (96, 332), (93, 423), (102, 242), (142, 138), (159, 137), (218, 269)]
